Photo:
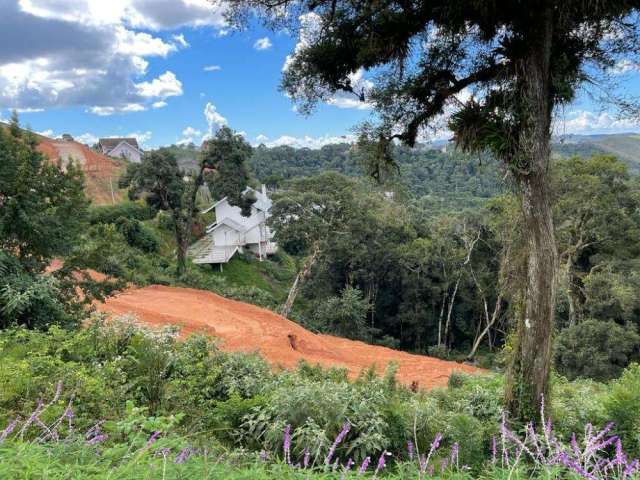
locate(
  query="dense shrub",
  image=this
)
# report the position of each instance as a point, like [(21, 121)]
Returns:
[(31, 299), (623, 406), (138, 235), (129, 210), (142, 381), (344, 315), (596, 349)]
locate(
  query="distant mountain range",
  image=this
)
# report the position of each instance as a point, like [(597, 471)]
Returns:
[(625, 146)]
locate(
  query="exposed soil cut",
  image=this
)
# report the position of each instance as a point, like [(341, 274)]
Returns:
[(247, 328), (101, 172)]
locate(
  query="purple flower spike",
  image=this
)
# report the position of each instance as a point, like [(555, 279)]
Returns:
[(286, 445), (343, 433), (183, 456), (7, 431), (454, 454), (154, 436), (381, 462), (97, 439), (631, 468), (436, 441), (422, 460), (364, 465), (494, 449), (349, 464), (305, 459), (410, 449)]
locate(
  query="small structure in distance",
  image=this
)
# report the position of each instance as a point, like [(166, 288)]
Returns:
[(121, 148), (232, 232)]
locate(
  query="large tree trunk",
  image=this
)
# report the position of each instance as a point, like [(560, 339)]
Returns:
[(529, 372), (299, 280), (528, 379)]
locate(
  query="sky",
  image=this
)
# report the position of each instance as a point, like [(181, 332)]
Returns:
[(171, 71)]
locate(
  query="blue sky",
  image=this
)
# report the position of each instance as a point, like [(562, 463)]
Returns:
[(96, 68)]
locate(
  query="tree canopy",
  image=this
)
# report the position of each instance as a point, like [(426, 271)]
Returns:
[(498, 70)]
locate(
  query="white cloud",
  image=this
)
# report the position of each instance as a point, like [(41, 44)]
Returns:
[(142, 14), (29, 110), (90, 52), (105, 111), (215, 121), (360, 85), (47, 133), (141, 137), (191, 132), (625, 66), (263, 44), (86, 138), (310, 24), (261, 139), (212, 68), (189, 135), (141, 44), (159, 104), (310, 27), (166, 85), (306, 141), (586, 122), (180, 40)]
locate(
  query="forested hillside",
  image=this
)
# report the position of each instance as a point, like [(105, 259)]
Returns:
[(386, 269)]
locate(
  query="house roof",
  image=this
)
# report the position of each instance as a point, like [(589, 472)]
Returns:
[(226, 222), (262, 201), (111, 143)]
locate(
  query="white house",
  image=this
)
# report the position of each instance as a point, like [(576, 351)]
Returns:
[(232, 232), (121, 148)]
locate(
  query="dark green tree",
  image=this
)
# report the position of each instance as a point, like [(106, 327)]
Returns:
[(592, 195), (344, 315), (42, 213), (519, 60), (166, 186), (312, 211), (596, 349)]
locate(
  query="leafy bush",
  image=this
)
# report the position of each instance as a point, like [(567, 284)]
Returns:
[(129, 210), (33, 300), (576, 403), (344, 315), (622, 406), (143, 381), (138, 235), (596, 349)]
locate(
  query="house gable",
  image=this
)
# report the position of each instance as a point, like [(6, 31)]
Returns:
[(231, 229)]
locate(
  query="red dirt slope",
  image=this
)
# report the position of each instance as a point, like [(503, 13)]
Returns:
[(245, 327), (101, 172)]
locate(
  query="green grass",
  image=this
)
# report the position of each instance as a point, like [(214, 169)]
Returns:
[(274, 276), (75, 460)]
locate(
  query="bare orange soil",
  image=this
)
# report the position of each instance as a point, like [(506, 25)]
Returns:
[(248, 328), (101, 172)]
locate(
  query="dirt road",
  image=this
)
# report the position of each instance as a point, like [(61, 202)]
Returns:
[(245, 327)]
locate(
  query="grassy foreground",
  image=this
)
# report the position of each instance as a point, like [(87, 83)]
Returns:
[(116, 401), (28, 461)]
